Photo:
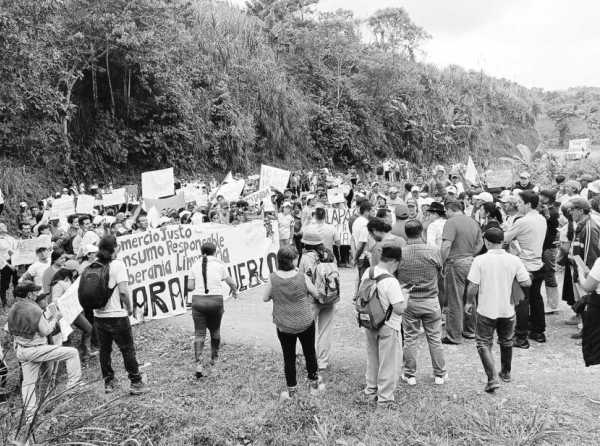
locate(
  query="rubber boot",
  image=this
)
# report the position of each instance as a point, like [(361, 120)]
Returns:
[(198, 347), (214, 349), (506, 361), (552, 299), (488, 365)]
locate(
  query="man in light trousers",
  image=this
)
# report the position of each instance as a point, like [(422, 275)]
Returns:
[(418, 272), (461, 242), (30, 326), (383, 347)]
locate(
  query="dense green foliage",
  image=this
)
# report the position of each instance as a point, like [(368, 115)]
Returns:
[(100, 89)]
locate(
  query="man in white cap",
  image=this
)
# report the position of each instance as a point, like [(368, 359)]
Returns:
[(524, 182), (394, 199)]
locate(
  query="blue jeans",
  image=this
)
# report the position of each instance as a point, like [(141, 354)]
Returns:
[(117, 329)]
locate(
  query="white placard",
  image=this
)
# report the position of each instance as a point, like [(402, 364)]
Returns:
[(335, 195), (273, 177), (231, 191), (116, 198), (62, 207), (85, 204), (158, 183)]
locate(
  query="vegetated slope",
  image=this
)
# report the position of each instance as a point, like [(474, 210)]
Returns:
[(569, 114), (96, 90)]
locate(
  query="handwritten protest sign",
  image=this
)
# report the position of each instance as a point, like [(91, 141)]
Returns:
[(273, 177), (339, 218), (85, 204), (24, 253), (175, 202), (255, 198), (159, 261), (115, 198), (335, 195), (158, 183)]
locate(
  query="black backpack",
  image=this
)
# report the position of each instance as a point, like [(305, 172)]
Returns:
[(93, 291)]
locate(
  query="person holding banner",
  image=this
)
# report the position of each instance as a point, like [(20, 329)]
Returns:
[(207, 303)]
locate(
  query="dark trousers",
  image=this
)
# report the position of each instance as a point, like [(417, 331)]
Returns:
[(89, 315), (530, 311), (342, 254), (484, 331), (117, 329), (207, 312), (362, 266), (7, 274), (288, 346)]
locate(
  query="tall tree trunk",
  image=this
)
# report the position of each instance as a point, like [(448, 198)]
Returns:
[(112, 96), (94, 78)]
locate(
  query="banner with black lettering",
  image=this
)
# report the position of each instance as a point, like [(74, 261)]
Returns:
[(159, 262), (339, 217)]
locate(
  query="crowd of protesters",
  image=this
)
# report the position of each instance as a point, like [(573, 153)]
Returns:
[(452, 259)]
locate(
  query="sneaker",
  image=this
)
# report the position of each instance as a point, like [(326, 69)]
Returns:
[(521, 343), (138, 388), (284, 396), (199, 370), (110, 386), (537, 337), (440, 380), (410, 380), (505, 376), (492, 386)]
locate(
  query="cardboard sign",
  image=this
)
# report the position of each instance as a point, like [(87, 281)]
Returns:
[(273, 177), (70, 308), (335, 195), (231, 191), (255, 198), (580, 145), (85, 204), (339, 218), (24, 253), (175, 202), (158, 183), (116, 198), (62, 207)]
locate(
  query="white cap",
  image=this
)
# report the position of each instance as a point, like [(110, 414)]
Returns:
[(451, 190), (594, 187), (415, 189), (485, 197), (90, 249)]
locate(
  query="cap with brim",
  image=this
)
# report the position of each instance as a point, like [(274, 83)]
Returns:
[(311, 237), (573, 184), (415, 189), (22, 289), (23, 204), (401, 210), (451, 190), (411, 203), (580, 203), (485, 197), (494, 235), (586, 177), (437, 207), (393, 190), (594, 187), (90, 249), (524, 175)]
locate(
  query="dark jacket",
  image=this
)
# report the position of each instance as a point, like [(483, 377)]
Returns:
[(551, 226)]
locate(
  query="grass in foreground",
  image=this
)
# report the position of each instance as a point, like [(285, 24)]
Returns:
[(238, 405)]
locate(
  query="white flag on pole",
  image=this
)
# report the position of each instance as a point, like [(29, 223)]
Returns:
[(471, 172)]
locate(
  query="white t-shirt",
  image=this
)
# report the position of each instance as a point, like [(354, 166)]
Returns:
[(595, 273), (360, 234), (285, 226), (327, 233), (113, 308), (390, 293), (36, 271), (495, 272), (216, 272), (435, 231)]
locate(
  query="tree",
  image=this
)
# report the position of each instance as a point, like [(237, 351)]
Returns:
[(395, 31)]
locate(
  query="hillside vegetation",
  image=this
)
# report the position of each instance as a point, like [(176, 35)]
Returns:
[(98, 90)]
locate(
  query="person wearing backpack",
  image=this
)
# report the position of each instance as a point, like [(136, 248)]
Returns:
[(320, 266), (380, 304), (104, 287), (292, 293)]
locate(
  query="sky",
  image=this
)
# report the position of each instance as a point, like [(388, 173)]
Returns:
[(551, 44)]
